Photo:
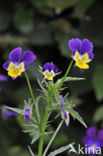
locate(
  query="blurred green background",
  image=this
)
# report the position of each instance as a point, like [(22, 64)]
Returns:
[(45, 26)]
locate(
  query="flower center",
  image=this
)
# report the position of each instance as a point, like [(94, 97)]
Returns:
[(49, 75), (15, 70)]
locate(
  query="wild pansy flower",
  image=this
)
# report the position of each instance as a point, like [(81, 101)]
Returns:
[(49, 71), (18, 63), (27, 112), (64, 114), (81, 52), (2, 79), (7, 113), (92, 140)]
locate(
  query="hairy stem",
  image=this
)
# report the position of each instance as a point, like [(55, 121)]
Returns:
[(29, 85), (32, 95), (41, 142)]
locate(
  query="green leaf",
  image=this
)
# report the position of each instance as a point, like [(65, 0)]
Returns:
[(48, 133), (55, 92), (98, 115), (76, 116), (68, 79), (14, 109), (60, 150), (98, 82), (35, 136), (41, 86)]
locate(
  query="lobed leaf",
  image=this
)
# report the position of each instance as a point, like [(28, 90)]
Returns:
[(69, 79), (60, 150), (74, 114)]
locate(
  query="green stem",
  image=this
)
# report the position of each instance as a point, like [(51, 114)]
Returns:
[(66, 74), (42, 132), (29, 85), (32, 95), (53, 137)]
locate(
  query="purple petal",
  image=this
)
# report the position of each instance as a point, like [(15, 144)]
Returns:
[(6, 64), (91, 55), (74, 45), (90, 144), (100, 137), (25, 65), (28, 57), (62, 103), (15, 55), (91, 132), (27, 115), (85, 139), (50, 66), (86, 47), (55, 69), (3, 78), (27, 119), (64, 114), (8, 113)]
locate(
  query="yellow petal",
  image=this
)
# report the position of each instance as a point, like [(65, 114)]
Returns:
[(76, 56), (21, 67), (14, 73), (11, 66), (67, 121), (49, 77), (81, 64), (85, 58), (14, 70)]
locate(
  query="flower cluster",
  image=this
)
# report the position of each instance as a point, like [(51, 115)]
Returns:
[(81, 52), (18, 63), (92, 140)]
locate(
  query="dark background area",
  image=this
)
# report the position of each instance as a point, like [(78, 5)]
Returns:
[(45, 27)]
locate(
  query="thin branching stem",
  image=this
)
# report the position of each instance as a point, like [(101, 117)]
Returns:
[(52, 138), (29, 85), (66, 74)]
